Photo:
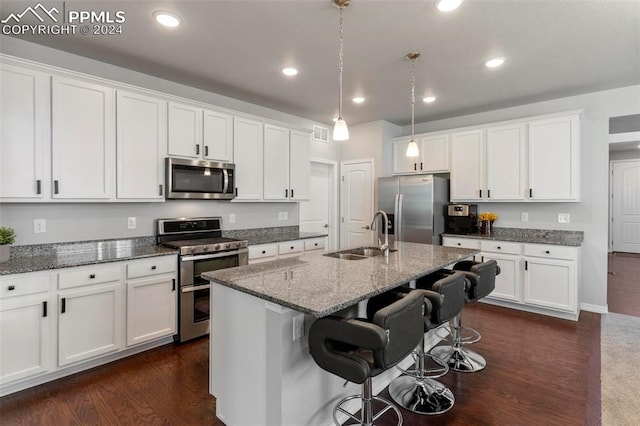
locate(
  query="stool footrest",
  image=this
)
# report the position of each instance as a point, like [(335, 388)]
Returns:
[(421, 396), (460, 359), (468, 335)]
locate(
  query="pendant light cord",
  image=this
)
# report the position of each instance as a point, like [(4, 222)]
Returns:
[(413, 95), (340, 61)]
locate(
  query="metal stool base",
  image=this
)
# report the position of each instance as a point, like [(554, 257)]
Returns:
[(421, 396), (460, 359), (363, 421)]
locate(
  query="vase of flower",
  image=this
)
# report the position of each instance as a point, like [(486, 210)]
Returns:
[(7, 237), (486, 222)]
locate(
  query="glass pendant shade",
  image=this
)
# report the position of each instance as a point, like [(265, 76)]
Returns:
[(340, 130), (412, 149)]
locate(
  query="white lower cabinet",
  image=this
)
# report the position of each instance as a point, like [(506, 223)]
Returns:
[(151, 299), (462, 243), (539, 278), (89, 322), (26, 326), (265, 252)]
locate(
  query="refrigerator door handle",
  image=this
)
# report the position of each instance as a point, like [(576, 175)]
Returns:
[(398, 218)]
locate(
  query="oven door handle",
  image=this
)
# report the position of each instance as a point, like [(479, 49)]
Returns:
[(214, 256), (189, 289)]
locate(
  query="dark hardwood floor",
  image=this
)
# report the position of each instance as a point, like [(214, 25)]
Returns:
[(541, 371), (623, 284)]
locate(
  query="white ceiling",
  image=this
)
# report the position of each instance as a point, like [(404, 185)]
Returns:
[(238, 47)]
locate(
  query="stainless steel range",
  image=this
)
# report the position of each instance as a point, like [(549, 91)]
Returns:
[(202, 248)]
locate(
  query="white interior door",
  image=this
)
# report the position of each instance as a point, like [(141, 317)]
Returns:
[(626, 206), (356, 203), (315, 213)]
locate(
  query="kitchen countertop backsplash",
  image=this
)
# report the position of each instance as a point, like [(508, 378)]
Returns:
[(271, 235), (523, 235)]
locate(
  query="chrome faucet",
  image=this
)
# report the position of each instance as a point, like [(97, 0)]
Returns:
[(384, 247)]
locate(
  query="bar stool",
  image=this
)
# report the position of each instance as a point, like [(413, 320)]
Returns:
[(417, 390), (358, 349), (481, 281)]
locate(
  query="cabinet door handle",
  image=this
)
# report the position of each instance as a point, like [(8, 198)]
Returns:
[(264, 251), (291, 193), (481, 193), (459, 244), (415, 166), (286, 193), (197, 149), (44, 309), (530, 192), (547, 251), (173, 284), (153, 267), (420, 166), (499, 247), (291, 247), (236, 191), (481, 258), (38, 187), (92, 276), (11, 287), (526, 265), (160, 189), (55, 187), (206, 150), (63, 305), (488, 193)]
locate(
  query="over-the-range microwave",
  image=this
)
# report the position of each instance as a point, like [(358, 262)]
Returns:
[(199, 180)]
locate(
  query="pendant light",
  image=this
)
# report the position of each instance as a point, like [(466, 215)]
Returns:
[(412, 149), (340, 130)]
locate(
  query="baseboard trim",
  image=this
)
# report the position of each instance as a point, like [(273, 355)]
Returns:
[(598, 309)]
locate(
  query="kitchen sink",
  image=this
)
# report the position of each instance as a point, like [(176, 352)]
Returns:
[(358, 253)]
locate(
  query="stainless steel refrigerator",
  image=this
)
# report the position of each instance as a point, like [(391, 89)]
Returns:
[(415, 207)]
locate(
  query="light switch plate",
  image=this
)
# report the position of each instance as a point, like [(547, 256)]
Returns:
[(280, 215), (524, 217), (298, 327), (232, 218), (131, 223), (564, 218)]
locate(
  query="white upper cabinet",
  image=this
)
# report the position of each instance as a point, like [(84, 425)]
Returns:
[(467, 165), (276, 163), (300, 165), (433, 158), (83, 140), (200, 134), (185, 131), (217, 136), (506, 162), (141, 146), (554, 159), (24, 133), (248, 157)]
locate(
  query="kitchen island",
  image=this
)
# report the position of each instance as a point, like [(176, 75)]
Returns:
[(260, 368)]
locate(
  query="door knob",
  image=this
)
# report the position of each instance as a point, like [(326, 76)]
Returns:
[(366, 227), (326, 225)]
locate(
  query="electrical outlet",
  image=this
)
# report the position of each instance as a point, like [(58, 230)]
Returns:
[(131, 223), (39, 226), (524, 217), (298, 327), (232, 218), (564, 218), (280, 216), (286, 215)]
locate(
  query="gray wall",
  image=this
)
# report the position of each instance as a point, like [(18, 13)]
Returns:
[(591, 214), (624, 155), (86, 221)]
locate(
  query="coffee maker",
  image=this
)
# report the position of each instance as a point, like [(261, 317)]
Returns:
[(461, 218)]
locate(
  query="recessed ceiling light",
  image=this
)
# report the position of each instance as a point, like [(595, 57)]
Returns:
[(495, 62), (167, 19), (428, 99), (289, 72), (358, 99), (448, 5)]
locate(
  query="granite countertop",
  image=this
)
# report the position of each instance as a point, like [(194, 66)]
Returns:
[(271, 235), (67, 255), (534, 236), (319, 285)]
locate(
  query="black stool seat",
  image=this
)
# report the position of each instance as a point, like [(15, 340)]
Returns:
[(358, 349)]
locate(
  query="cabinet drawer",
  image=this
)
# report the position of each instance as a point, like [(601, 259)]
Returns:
[(289, 247), (263, 250), (77, 277), (314, 244), (551, 251), (152, 266), (461, 242), (500, 247), (23, 284)]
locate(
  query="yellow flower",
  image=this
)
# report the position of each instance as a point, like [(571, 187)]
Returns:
[(488, 216)]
